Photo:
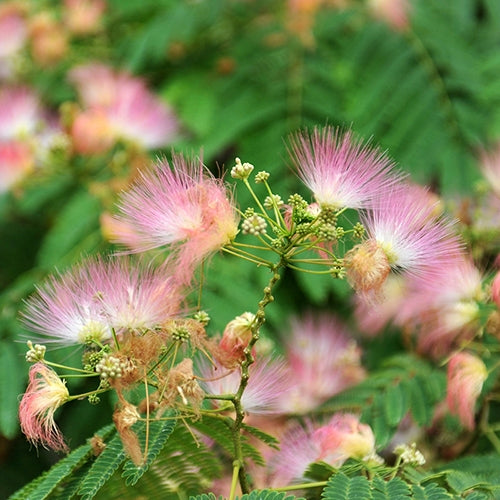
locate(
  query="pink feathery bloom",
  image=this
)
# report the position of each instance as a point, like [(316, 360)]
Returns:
[(371, 316), (13, 29), (185, 207), (45, 393), (123, 108), (91, 132), (490, 167), (444, 310), (97, 297), (268, 381), (83, 17), (342, 438), (393, 12), (20, 112), (323, 361), (403, 236), (495, 289), (16, 161), (466, 375), (340, 170)]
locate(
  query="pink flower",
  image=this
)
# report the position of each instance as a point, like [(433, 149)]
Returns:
[(403, 236), (342, 438), (97, 297), (340, 170), (45, 393), (444, 310), (123, 107), (236, 336), (267, 382), (490, 167), (466, 375), (13, 29), (20, 113), (186, 208), (323, 361), (16, 161), (91, 132), (495, 289)]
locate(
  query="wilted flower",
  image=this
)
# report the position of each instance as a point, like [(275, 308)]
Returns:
[(185, 207), (83, 17), (97, 297), (466, 375), (340, 170), (49, 41), (323, 361), (45, 393)]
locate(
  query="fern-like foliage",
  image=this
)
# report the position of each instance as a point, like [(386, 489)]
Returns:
[(159, 432), (184, 467), (342, 487), (391, 392), (48, 483), (103, 468)]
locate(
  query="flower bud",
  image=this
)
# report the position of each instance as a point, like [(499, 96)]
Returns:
[(235, 339)]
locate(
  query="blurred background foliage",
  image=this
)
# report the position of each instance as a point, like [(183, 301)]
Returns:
[(423, 82)]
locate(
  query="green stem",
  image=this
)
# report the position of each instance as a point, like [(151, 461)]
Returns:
[(57, 365), (234, 480), (302, 486), (260, 318)]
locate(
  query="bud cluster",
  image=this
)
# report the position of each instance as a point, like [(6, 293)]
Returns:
[(35, 352), (110, 367), (254, 225)]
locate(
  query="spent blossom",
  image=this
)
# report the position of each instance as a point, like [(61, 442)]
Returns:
[(185, 207), (340, 170), (466, 375), (45, 393)]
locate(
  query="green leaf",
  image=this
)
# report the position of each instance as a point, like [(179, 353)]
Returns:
[(396, 404), (75, 231), (266, 495), (11, 385), (103, 468), (159, 432), (340, 487), (395, 489), (430, 492)]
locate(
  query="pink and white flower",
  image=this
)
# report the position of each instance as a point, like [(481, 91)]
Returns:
[(45, 393), (16, 161), (466, 375), (403, 236), (323, 361), (98, 297), (342, 438), (268, 381), (340, 170), (20, 113), (122, 107), (185, 207)]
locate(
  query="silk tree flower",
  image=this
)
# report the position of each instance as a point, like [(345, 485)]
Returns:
[(466, 375), (97, 297), (184, 207), (394, 12), (16, 161), (403, 236), (268, 381), (235, 338), (444, 311), (20, 113), (121, 107), (45, 393), (323, 360), (13, 29), (342, 438), (490, 167), (340, 170)]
